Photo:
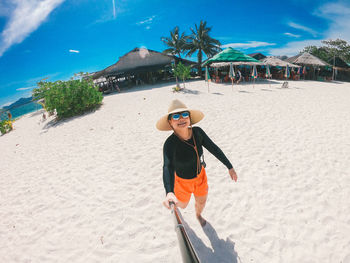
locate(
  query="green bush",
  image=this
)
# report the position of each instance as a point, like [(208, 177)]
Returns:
[(182, 72), (5, 126), (68, 98)]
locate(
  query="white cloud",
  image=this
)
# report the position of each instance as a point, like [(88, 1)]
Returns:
[(114, 9), (303, 28), (336, 14), (291, 35), (25, 18), (5, 7), (19, 89), (146, 21), (293, 48), (249, 44), (74, 51), (339, 16)]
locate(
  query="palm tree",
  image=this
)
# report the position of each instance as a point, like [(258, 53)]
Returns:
[(175, 42), (200, 41)]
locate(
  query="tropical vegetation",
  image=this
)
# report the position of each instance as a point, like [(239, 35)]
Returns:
[(330, 49), (68, 98), (176, 45), (199, 41), (6, 126), (176, 42), (182, 71)]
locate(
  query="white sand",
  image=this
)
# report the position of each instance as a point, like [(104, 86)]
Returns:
[(90, 188)]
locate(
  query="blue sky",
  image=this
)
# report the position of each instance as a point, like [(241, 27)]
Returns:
[(56, 38)]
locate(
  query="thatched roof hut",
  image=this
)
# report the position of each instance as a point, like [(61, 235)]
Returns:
[(138, 60), (257, 56), (276, 62), (306, 59)]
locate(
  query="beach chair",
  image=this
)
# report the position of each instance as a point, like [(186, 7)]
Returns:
[(285, 85)]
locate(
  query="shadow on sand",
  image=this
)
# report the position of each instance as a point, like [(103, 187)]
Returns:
[(268, 90), (38, 112), (220, 251), (56, 122), (251, 83), (188, 91)]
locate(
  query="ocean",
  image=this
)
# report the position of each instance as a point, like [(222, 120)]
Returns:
[(20, 110)]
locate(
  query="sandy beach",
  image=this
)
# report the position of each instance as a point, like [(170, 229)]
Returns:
[(90, 189)]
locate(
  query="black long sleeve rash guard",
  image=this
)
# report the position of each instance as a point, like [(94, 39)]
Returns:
[(181, 158)]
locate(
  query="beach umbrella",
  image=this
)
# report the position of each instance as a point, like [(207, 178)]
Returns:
[(254, 74), (300, 71), (231, 55), (232, 74), (268, 73), (287, 73), (304, 71), (207, 76)]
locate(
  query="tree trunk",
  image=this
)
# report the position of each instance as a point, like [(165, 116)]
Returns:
[(177, 81), (199, 56)]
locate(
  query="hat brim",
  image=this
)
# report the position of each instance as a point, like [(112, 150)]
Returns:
[(163, 124)]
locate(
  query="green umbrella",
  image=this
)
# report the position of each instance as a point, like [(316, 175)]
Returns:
[(231, 55)]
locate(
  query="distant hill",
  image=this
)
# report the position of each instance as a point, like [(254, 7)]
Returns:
[(19, 102), (19, 108)]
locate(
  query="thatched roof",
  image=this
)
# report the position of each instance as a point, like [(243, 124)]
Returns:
[(306, 59), (140, 59), (257, 56), (276, 62)]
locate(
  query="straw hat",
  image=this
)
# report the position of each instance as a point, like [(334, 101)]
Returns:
[(178, 106)]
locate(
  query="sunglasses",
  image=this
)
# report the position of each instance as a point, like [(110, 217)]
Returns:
[(176, 116)]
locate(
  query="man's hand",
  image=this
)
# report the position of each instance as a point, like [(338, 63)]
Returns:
[(170, 197), (233, 174)]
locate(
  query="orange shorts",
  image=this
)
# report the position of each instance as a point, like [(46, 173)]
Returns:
[(183, 188)]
